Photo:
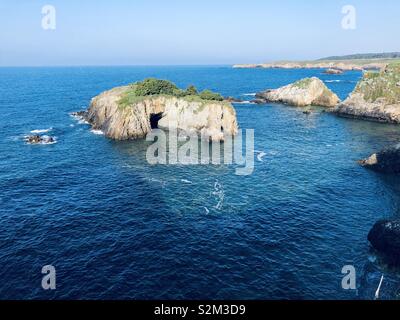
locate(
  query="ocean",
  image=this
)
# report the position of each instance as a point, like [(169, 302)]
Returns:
[(116, 227)]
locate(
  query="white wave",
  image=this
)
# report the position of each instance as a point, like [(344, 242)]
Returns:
[(80, 119), (206, 209), (36, 131), (260, 156), (244, 102), (249, 94), (97, 132), (331, 81), (186, 181), (219, 193)]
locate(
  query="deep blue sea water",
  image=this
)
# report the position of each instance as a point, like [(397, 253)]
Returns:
[(117, 228)]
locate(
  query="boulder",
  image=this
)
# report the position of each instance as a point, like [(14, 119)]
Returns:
[(305, 92), (387, 161)]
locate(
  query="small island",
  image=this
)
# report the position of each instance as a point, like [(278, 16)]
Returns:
[(302, 93), (131, 112)]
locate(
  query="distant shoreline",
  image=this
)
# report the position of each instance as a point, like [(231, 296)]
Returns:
[(343, 65)]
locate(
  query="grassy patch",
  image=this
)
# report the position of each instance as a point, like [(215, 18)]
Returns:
[(302, 84), (384, 84), (140, 91)]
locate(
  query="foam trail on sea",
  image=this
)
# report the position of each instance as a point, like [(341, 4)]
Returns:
[(36, 131), (250, 94)]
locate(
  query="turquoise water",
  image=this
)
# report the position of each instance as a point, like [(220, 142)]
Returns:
[(115, 227)]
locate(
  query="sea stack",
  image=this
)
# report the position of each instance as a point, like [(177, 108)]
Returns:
[(376, 97), (305, 92), (131, 112)]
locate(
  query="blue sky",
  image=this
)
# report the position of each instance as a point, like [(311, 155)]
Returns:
[(156, 32)]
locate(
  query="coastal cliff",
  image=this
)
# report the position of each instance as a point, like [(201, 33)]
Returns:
[(376, 97), (124, 113), (305, 92)]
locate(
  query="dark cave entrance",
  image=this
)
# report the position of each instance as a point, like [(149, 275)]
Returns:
[(154, 118)]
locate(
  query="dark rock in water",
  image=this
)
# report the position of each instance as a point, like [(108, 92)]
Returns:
[(387, 161), (307, 112), (36, 139), (385, 238), (259, 101), (232, 99)]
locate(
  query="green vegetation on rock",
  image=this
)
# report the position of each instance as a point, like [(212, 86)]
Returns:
[(302, 84), (381, 85), (152, 87)]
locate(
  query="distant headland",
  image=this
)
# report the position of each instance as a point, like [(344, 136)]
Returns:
[(359, 62)]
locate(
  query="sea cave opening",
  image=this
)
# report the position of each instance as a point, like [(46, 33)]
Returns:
[(154, 118)]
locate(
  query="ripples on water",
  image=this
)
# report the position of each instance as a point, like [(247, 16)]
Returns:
[(116, 227)]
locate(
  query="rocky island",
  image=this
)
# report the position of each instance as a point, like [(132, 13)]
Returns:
[(131, 112), (305, 92), (376, 97)]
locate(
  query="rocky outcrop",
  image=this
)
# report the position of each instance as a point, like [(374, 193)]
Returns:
[(333, 71), (36, 139), (376, 97), (212, 119), (306, 92), (387, 161), (385, 238)]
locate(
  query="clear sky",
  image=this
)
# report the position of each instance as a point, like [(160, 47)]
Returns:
[(159, 32)]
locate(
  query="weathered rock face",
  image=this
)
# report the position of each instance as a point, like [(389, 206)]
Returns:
[(212, 119), (376, 97), (385, 237), (387, 161), (306, 92)]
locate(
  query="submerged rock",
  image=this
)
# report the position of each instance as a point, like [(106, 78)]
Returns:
[(387, 161), (121, 116), (376, 97), (306, 92), (385, 238)]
